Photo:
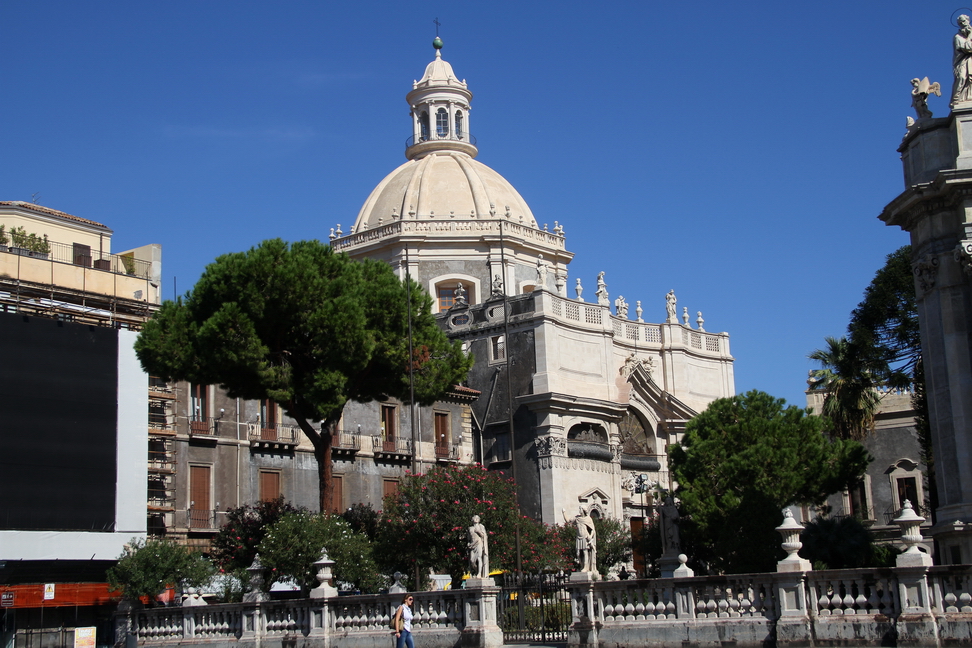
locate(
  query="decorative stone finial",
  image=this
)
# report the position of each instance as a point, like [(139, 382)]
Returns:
[(322, 568), (579, 290), (910, 524), (790, 530), (700, 321), (257, 581), (639, 310)]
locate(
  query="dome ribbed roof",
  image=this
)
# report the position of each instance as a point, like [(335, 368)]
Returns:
[(446, 186)]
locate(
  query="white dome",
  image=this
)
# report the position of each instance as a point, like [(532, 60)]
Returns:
[(442, 186)]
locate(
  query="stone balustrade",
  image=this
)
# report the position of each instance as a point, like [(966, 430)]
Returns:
[(919, 606)]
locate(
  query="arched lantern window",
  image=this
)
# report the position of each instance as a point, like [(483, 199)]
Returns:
[(424, 125), (459, 130), (442, 122)]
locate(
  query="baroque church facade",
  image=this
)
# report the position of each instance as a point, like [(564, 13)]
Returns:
[(576, 402)]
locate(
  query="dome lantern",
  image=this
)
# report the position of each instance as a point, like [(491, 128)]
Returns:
[(439, 105)]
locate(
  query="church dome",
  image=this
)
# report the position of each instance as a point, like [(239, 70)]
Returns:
[(442, 186)]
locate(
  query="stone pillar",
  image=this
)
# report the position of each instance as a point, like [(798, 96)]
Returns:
[(793, 627), (585, 625), (935, 210), (480, 629)]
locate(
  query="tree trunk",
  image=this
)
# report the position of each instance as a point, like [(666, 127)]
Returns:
[(322, 452)]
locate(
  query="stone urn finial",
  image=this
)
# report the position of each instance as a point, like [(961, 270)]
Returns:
[(910, 524), (257, 581), (322, 571), (790, 530)]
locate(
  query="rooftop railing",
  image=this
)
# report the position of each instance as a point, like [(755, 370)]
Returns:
[(68, 253)]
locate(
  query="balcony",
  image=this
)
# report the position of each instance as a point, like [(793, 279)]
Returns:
[(203, 427), (275, 437), (447, 453), (345, 443), (201, 519), (393, 449)]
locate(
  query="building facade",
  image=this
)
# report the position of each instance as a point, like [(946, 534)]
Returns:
[(74, 461), (577, 399)]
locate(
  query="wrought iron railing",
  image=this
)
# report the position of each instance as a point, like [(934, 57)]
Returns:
[(67, 253), (422, 139)]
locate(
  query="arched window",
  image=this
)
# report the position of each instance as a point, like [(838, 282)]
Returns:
[(445, 293), (424, 125), (459, 131), (634, 435), (442, 122)]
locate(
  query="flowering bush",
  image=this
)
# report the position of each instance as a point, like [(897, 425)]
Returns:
[(425, 524), (293, 544), (236, 543), (147, 567)]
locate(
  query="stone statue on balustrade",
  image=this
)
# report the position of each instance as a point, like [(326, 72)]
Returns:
[(601, 293), (670, 303), (962, 62), (671, 544), (586, 543), (621, 307), (478, 550)]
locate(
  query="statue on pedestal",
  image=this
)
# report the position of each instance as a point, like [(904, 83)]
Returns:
[(962, 62), (671, 543), (478, 550), (586, 544), (670, 302)]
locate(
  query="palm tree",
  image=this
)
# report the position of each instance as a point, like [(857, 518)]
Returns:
[(849, 380)]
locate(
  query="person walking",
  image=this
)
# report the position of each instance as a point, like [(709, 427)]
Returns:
[(403, 623)]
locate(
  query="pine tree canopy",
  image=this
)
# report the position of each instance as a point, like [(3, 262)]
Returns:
[(307, 328)]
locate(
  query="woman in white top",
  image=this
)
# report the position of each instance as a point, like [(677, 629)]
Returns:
[(403, 623)]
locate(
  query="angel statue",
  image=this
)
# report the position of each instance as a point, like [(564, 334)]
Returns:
[(919, 96)]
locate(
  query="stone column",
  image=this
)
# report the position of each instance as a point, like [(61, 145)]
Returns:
[(793, 626), (480, 629), (935, 210)]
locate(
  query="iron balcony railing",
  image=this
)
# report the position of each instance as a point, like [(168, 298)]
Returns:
[(346, 440), (395, 445), (205, 426), (201, 518), (462, 137), (284, 434), (67, 253)]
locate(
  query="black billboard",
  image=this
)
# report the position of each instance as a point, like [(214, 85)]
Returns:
[(58, 422)]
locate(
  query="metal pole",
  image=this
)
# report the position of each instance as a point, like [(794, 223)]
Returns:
[(509, 395), (411, 366)]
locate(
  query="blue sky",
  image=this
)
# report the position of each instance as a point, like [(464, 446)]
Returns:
[(736, 153)]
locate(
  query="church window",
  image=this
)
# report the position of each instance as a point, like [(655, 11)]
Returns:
[(442, 122), (459, 131), (634, 436), (497, 347), (424, 126), (499, 449), (906, 484), (445, 293)]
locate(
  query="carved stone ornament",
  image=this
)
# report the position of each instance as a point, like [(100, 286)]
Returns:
[(963, 256), (551, 446), (631, 363), (926, 271), (921, 88)]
